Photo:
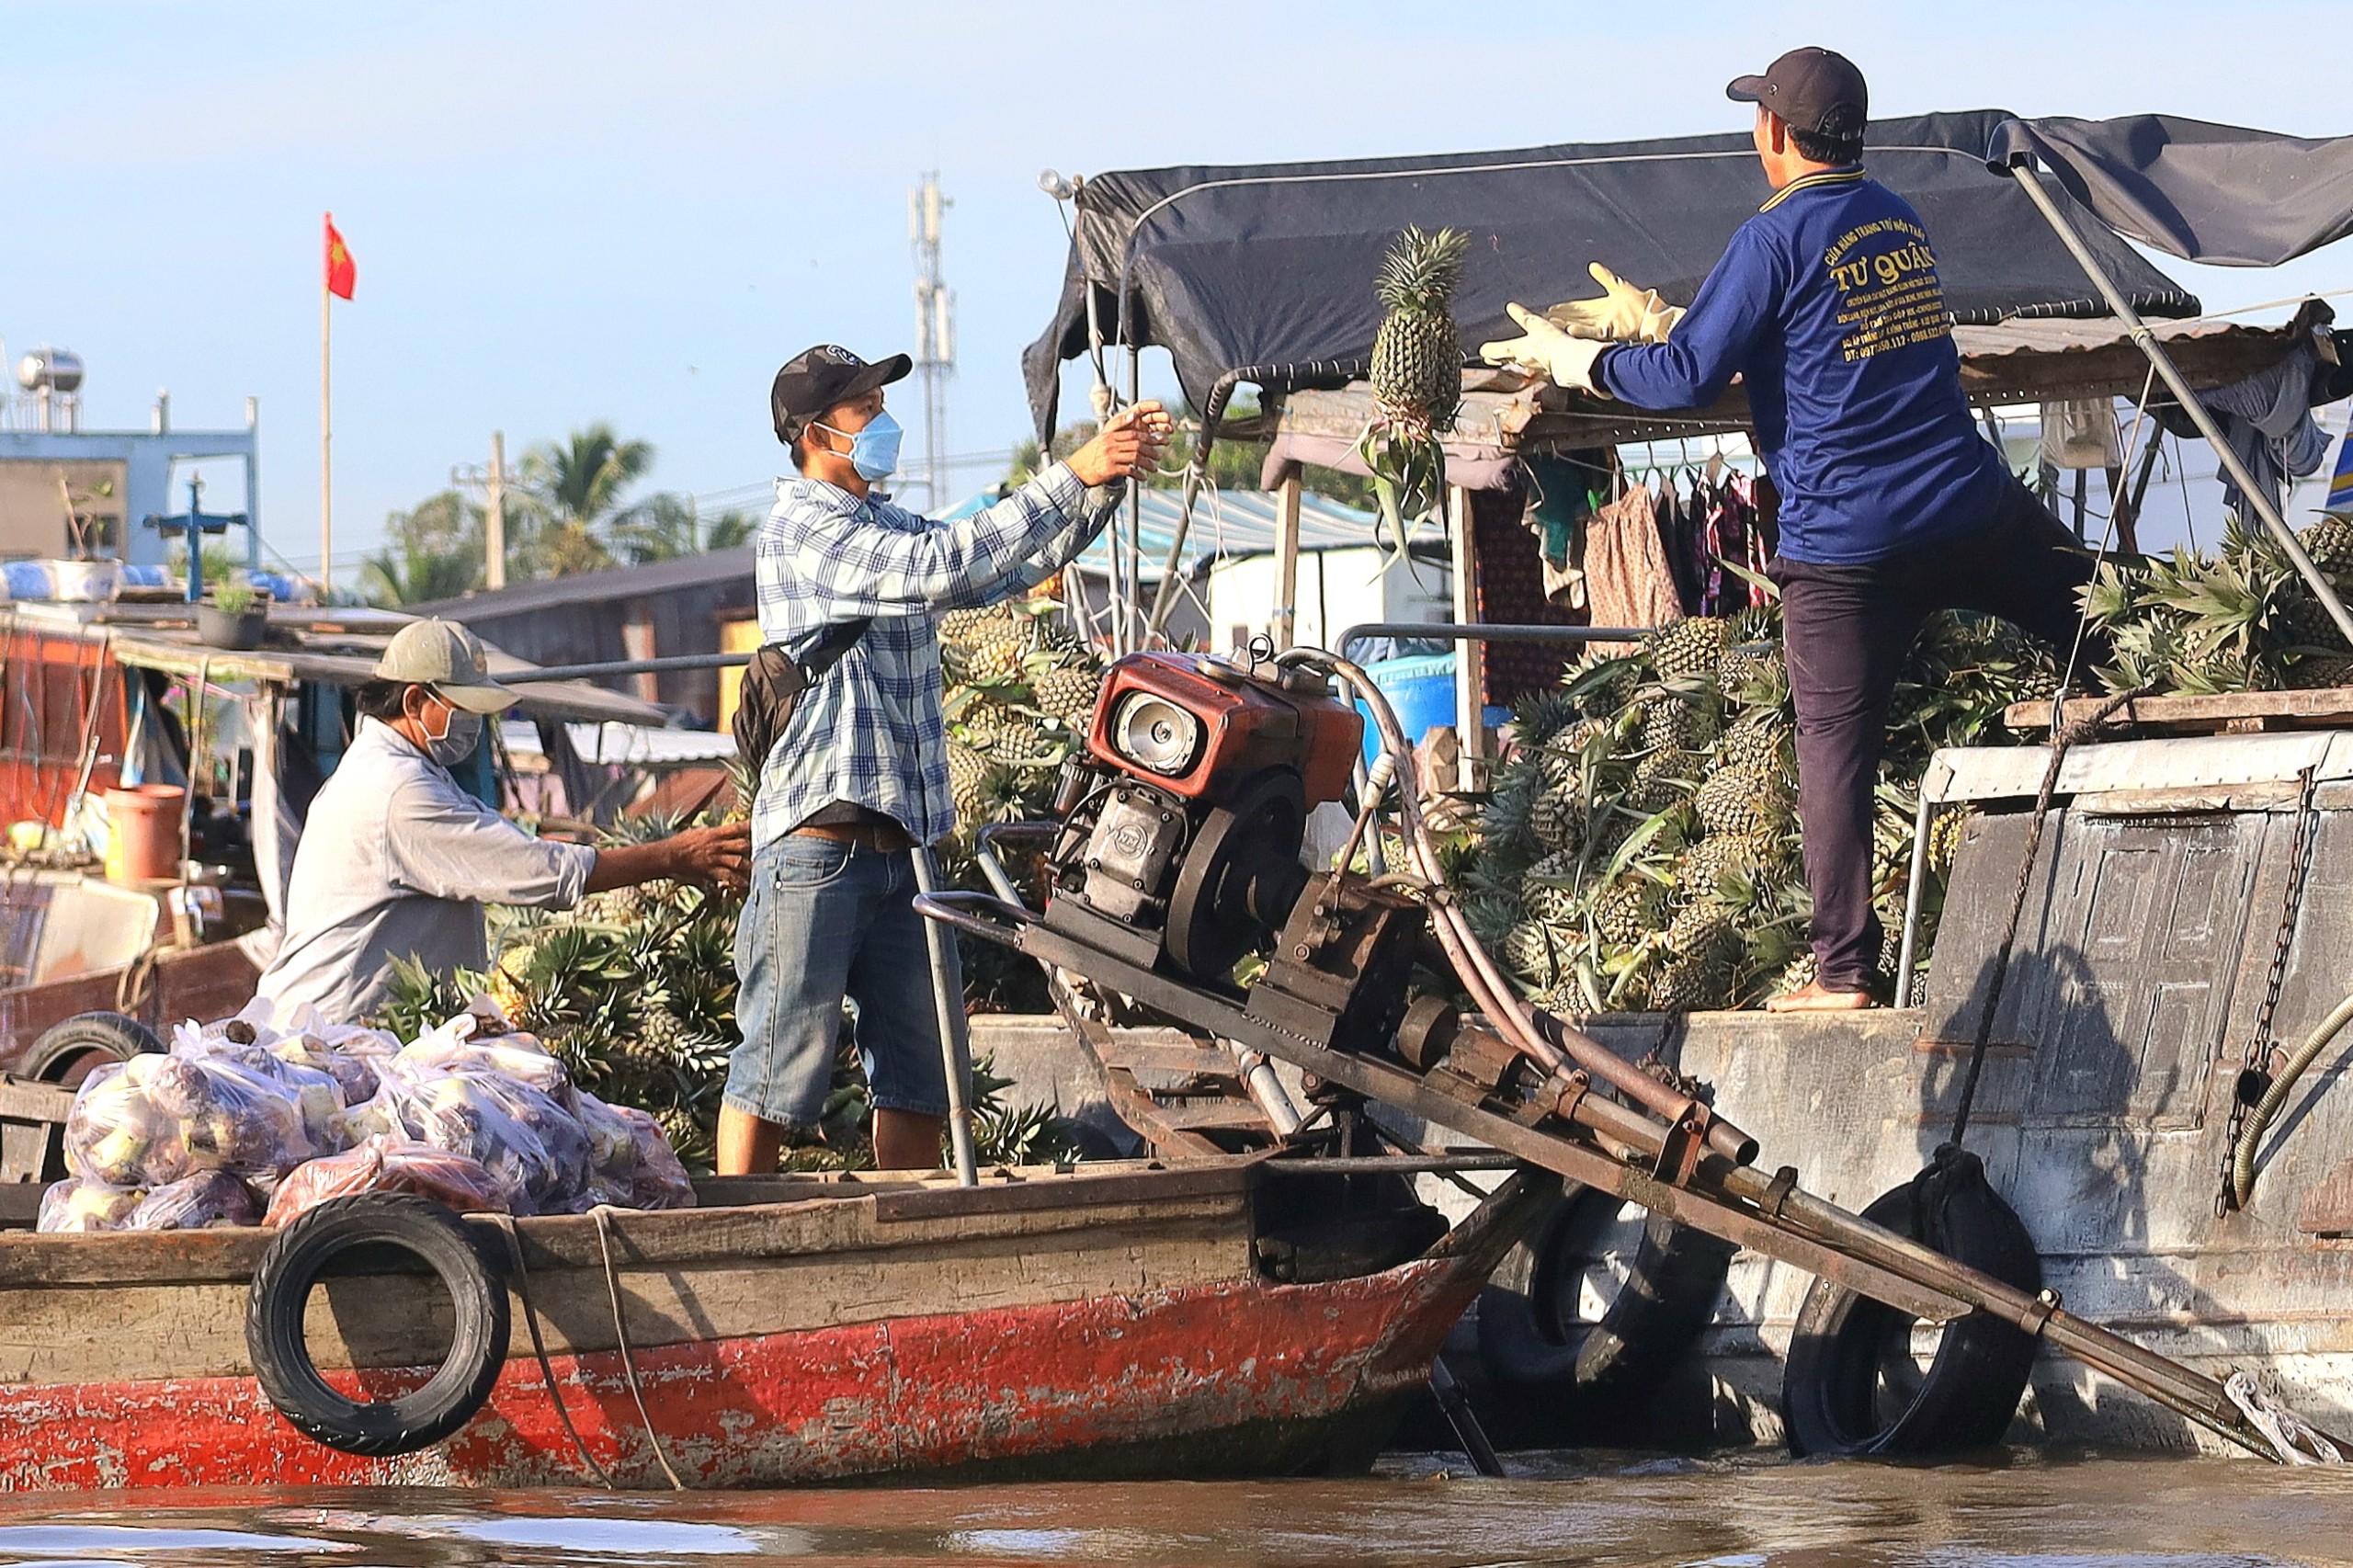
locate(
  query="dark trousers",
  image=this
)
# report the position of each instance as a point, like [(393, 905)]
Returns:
[(1846, 630)]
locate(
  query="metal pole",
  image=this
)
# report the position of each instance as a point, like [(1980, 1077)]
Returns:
[(2143, 340), (955, 1038), (1285, 625), (326, 447), (493, 514), (1912, 888), (1470, 707)]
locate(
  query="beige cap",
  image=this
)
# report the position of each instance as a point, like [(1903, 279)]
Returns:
[(449, 658)]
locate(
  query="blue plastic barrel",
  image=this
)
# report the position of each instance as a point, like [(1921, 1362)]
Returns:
[(1421, 691)]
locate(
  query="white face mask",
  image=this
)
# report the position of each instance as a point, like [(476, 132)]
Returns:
[(460, 732)]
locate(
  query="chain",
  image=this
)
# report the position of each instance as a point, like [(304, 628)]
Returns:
[(2255, 1076)]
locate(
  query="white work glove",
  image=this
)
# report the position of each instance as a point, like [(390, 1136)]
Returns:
[(1624, 313), (1546, 350)]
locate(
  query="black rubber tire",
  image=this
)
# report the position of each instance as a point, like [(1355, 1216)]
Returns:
[(282, 1361), (1848, 1386), (115, 1036), (1530, 1339)]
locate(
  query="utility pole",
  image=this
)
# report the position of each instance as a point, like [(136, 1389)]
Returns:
[(935, 331), (492, 481)]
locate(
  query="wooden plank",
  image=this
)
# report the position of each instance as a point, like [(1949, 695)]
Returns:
[(53, 1334), (1215, 1115), (1184, 1059), (677, 1236), (2324, 708)]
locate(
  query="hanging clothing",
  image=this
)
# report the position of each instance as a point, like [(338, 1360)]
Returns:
[(2081, 432), (1625, 569), (2267, 419), (1674, 536)]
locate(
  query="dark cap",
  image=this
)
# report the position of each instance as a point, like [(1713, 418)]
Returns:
[(1817, 91), (824, 377)]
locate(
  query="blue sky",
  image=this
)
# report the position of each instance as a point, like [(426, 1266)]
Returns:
[(590, 211)]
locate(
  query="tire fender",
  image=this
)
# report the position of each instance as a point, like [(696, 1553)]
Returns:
[(300, 1255), (115, 1034), (1835, 1399), (1651, 1324)]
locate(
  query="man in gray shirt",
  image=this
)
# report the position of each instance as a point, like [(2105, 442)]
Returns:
[(396, 860)]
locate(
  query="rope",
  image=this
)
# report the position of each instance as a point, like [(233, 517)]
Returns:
[(505, 1223), (628, 1356), (2295, 1442), (2063, 739)]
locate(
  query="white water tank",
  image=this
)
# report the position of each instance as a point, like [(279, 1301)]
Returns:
[(49, 369)]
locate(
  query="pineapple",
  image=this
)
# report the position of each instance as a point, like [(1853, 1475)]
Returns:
[(1761, 742), (1659, 780), (966, 770), (1548, 889), (1068, 693), (1526, 952), (1537, 718), (1693, 647), (1672, 720), (1416, 375), (1628, 910), (2330, 543), (1417, 355), (1556, 822), (1742, 799)]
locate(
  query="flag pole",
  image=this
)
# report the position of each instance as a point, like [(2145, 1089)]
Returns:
[(326, 438)]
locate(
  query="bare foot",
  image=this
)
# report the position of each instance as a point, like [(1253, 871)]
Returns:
[(1816, 997)]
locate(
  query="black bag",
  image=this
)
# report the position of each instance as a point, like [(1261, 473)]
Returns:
[(774, 683)]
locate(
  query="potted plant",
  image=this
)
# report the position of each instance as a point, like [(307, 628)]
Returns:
[(236, 617)]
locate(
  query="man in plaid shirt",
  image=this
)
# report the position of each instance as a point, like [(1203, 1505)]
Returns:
[(860, 777)]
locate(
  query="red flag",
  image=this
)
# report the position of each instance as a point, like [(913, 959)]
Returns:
[(341, 271)]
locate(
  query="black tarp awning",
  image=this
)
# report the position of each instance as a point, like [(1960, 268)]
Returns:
[(1272, 265), (2203, 192)]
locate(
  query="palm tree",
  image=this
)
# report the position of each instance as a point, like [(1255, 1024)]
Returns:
[(434, 550), (580, 483)]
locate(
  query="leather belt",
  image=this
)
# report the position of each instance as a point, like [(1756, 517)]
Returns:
[(882, 838)]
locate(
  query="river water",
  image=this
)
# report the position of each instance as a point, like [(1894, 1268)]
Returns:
[(2037, 1511)]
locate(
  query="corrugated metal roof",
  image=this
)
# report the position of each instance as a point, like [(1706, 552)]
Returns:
[(593, 587), (1229, 522)]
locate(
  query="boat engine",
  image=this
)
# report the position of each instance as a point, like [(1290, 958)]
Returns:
[(1180, 831)]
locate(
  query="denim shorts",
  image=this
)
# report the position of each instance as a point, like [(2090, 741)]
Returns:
[(823, 921)]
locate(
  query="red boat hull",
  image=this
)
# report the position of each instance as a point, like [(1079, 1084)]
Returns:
[(1217, 1378)]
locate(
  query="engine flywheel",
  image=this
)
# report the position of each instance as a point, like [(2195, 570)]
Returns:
[(1243, 858)]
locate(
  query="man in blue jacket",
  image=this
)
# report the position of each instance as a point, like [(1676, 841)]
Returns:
[(1827, 304)]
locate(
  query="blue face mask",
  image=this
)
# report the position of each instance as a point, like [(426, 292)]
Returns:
[(873, 451)]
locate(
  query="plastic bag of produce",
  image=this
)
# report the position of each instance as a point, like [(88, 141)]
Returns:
[(632, 1164), (534, 1147), (194, 1203), (113, 1132), (389, 1165), (458, 1045), (77, 1204), (237, 1071), (660, 1180)]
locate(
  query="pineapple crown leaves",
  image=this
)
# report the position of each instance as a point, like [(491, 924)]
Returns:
[(1421, 269)]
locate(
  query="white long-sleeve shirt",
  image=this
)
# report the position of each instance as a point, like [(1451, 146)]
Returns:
[(396, 861)]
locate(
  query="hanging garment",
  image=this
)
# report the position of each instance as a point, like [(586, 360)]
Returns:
[(1558, 505), (2267, 419), (1675, 539), (2081, 432), (1625, 569)]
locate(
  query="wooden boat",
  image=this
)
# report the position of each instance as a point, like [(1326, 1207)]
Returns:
[(1121, 1319)]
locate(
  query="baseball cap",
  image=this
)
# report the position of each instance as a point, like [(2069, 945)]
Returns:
[(817, 378), (449, 658), (1807, 87)]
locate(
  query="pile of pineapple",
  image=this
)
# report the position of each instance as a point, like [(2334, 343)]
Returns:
[(2239, 619), (1640, 850), (1021, 691)]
